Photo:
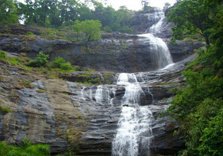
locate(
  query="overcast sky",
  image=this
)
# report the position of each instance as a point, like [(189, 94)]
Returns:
[(135, 4)]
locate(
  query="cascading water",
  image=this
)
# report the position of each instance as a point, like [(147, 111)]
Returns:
[(161, 53), (134, 129), (100, 95), (154, 29), (134, 123), (134, 132)]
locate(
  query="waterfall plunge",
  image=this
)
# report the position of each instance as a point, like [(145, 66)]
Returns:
[(134, 132), (134, 123), (161, 54)]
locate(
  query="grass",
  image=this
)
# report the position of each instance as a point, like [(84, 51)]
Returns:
[(19, 61), (50, 70), (53, 69), (24, 150), (5, 109), (65, 33)]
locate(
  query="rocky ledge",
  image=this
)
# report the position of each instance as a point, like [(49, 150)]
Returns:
[(68, 115), (114, 52)]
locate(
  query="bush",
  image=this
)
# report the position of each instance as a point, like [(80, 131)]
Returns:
[(40, 60), (61, 63), (24, 150), (5, 109), (90, 28), (2, 55), (199, 105)]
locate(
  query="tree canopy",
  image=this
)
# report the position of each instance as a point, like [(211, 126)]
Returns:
[(57, 13), (193, 16), (199, 105), (90, 28), (8, 12)]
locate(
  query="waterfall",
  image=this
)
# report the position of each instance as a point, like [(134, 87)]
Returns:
[(154, 29), (134, 132), (134, 123), (100, 95), (161, 53)]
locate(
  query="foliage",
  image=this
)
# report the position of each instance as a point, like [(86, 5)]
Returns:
[(26, 149), (49, 12), (191, 17), (2, 55), (91, 29), (40, 60), (199, 105), (57, 13), (8, 12), (12, 60), (62, 64), (5, 109), (88, 78), (113, 20)]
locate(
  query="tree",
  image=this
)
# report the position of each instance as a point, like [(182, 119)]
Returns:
[(198, 106), (8, 12), (91, 29), (191, 17)]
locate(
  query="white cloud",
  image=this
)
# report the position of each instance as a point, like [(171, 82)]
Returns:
[(136, 4)]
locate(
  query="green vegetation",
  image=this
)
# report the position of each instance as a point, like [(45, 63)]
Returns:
[(199, 105), (113, 20), (5, 109), (8, 12), (58, 64), (193, 17), (89, 78), (12, 60), (57, 14), (62, 64), (40, 61), (90, 28), (26, 149)]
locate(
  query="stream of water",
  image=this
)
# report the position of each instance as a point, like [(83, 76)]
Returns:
[(134, 133)]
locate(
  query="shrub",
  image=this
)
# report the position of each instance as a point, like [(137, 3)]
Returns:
[(24, 150), (5, 109), (40, 60), (90, 28), (61, 63), (2, 55)]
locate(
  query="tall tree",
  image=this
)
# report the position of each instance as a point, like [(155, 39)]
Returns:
[(91, 29), (190, 17), (198, 106), (8, 12)]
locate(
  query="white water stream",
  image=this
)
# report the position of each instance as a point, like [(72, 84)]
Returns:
[(134, 132), (134, 122)]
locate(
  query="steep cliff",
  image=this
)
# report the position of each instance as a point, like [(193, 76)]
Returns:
[(70, 116), (114, 52)]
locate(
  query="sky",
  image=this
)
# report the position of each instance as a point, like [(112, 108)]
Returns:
[(135, 4)]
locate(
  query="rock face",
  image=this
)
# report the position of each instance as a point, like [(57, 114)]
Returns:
[(126, 54), (42, 111), (90, 77), (143, 20), (68, 115), (182, 49)]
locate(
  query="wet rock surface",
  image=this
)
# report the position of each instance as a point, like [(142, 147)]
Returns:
[(63, 113), (66, 114), (114, 52)]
